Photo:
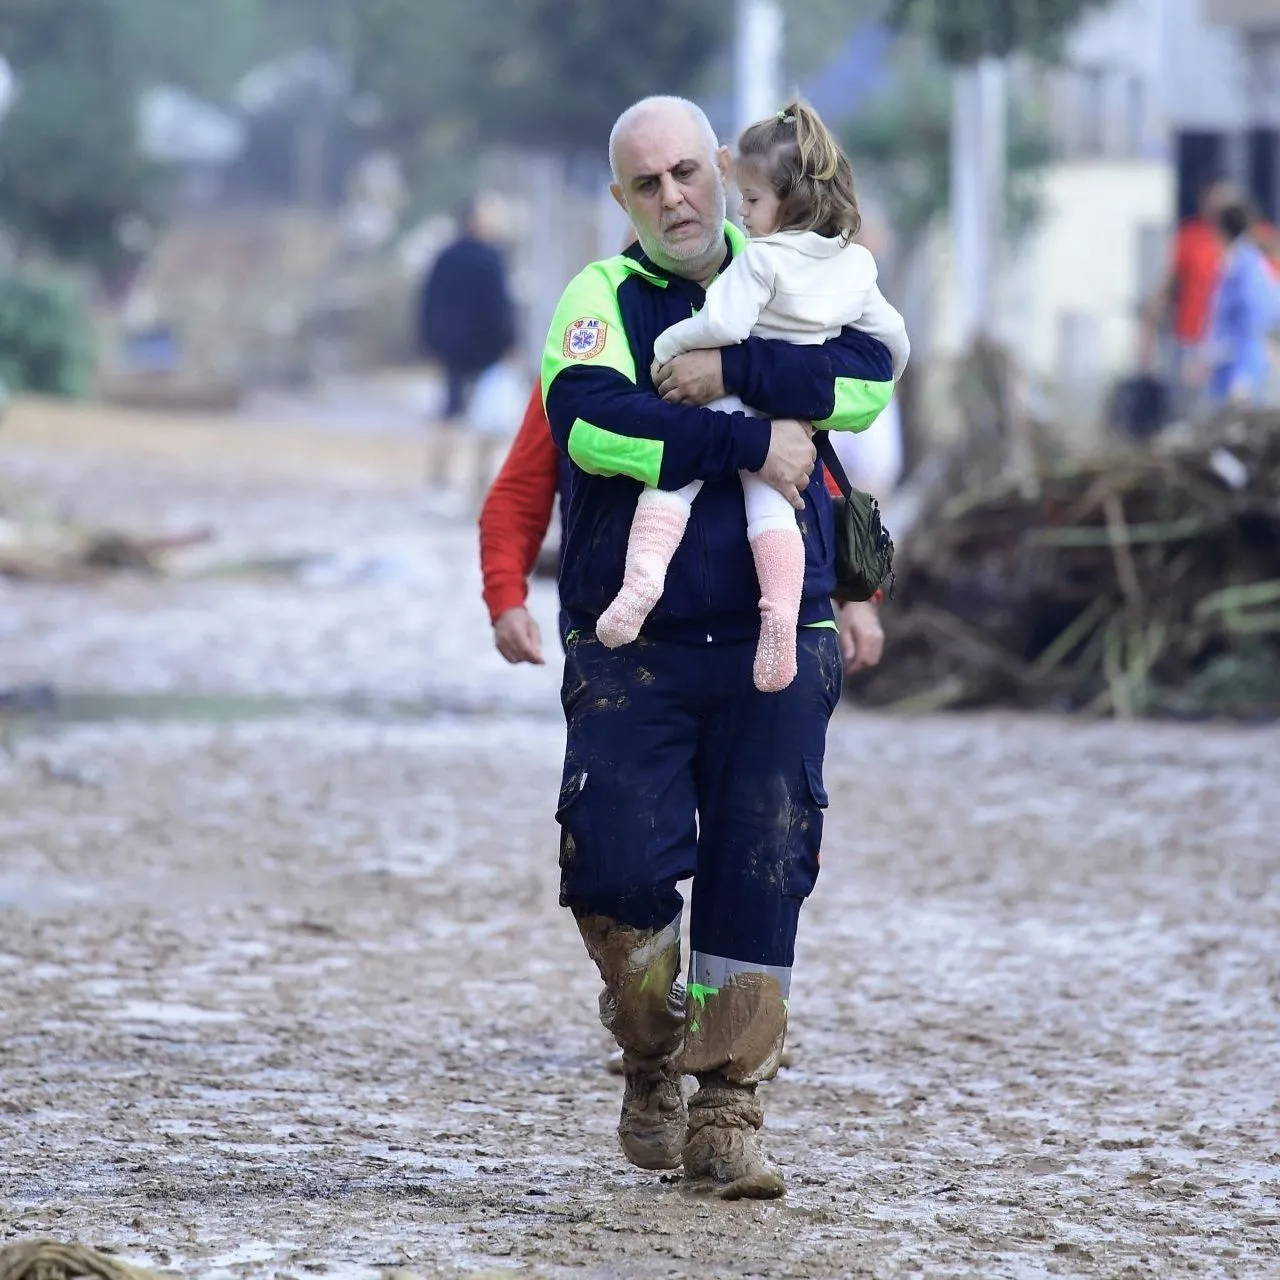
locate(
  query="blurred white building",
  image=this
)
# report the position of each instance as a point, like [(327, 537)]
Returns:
[(1154, 97)]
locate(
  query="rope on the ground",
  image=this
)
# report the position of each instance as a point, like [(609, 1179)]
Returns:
[(49, 1260)]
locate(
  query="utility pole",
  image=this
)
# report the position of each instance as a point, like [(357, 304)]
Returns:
[(979, 164), (979, 169), (1262, 57), (757, 61), (7, 87)]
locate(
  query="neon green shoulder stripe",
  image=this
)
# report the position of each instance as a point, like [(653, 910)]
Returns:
[(587, 330), (608, 453)]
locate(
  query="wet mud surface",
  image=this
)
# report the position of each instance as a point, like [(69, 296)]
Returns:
[(290, 994)]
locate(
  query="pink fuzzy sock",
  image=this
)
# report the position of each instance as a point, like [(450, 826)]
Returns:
[(779, 557), (656, 530)]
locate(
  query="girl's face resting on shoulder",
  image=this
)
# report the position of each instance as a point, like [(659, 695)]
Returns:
[(759, 208)]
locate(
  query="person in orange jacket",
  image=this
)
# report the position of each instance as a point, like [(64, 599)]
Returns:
[(513, 526)]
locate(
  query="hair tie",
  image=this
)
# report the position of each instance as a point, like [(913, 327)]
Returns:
[(786, 117)]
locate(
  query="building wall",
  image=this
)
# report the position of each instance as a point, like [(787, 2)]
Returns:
[(1141, 77), (1108, 98), (1140, 71), (1204, 71), (1075, 289), (1067, 301)]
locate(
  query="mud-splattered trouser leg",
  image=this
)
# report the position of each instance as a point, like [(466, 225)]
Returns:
[(677, 766), (761, 798), (626, 813)]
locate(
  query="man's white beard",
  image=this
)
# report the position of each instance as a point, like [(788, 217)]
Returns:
[(693, 262)]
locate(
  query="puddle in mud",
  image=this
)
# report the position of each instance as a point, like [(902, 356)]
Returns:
[(54, 709), (31, 893), (170, 1014)]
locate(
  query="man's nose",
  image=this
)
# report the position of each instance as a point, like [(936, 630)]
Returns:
[(672, 197)]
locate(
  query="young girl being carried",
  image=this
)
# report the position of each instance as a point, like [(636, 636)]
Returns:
[(799, 278)]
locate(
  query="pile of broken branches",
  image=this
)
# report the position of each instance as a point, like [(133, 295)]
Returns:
[(1143, 584), (39, 545)]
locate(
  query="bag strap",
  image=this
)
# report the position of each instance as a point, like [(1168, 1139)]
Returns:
[(831, 460)]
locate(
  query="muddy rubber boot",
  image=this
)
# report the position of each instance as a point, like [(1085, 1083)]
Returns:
[(723, 1146), (652, 1126), (642, 1004)]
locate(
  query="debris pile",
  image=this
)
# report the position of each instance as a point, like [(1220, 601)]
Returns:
[(37, 545), (52, 1260), (1142, 584)]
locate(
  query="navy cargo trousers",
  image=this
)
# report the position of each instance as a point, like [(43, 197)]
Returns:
[(676, 766)]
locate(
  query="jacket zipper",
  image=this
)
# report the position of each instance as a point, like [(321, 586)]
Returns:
[(706, 566)]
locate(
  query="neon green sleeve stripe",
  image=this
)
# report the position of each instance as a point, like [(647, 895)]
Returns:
[(587, 326), (858, 404), (605, 453), (828, 625)]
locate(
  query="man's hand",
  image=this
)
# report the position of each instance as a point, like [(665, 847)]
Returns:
[(693, 378), (517, 637), (861, 636), (789, 462)]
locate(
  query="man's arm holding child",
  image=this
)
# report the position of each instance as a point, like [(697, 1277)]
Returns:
[(842, 385)]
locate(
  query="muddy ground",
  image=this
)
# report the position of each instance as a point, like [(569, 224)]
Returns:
[(284, 989)]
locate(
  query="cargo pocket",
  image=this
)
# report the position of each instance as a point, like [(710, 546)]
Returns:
[(804, 839), (576, 881)]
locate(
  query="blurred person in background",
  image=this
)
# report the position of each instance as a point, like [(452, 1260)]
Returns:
[(514, 521), (1183, 302), (466, 320), (1264, 234), (1235, 364), (1267, 236), (670, 748)]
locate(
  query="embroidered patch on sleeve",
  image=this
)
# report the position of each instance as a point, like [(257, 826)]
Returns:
[(584, 339)]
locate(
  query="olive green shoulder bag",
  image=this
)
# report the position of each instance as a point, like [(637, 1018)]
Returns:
[(864, 549)]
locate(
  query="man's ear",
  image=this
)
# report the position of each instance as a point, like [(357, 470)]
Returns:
[(616, 192), (724, 162)]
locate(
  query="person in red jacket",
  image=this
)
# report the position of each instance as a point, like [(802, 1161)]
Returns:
[(513, 526)]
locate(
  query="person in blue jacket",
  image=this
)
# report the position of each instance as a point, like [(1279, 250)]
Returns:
[(1246, 311), (466, 319), (676, 766)]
